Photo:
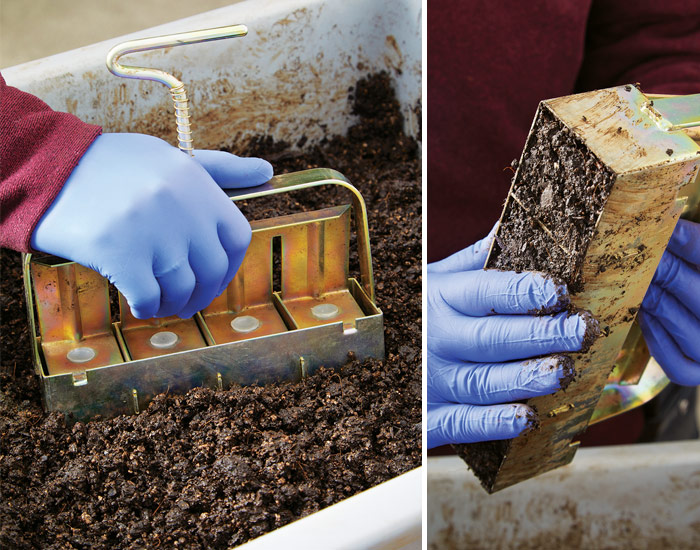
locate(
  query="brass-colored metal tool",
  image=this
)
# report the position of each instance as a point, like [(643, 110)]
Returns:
[(90, 364), (652, 164), (636, 377)]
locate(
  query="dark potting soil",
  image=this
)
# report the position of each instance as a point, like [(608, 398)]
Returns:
[(557, 196), (558, 193), (212, 469)]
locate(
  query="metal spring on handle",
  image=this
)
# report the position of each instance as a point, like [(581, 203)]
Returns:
[(177, 88), (182, 119)]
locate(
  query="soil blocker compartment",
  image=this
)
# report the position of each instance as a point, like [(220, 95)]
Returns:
[(213, 468), (597, 192), (555, 202)]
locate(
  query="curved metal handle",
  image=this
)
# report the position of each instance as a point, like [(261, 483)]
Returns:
[(315, 177), (674, 112), (177, 88)]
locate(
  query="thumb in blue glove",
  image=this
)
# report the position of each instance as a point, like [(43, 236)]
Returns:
[(232, 172), (487, 349), (670, 313), (153, 221)]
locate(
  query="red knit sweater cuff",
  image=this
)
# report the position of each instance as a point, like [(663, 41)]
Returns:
[(39, 148)]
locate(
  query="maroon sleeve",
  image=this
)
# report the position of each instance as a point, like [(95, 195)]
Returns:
[(654, 43), (39, 148), (490, 63)]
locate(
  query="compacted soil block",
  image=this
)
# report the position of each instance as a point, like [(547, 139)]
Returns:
[(592, 205), (556, 198), (213, 469)]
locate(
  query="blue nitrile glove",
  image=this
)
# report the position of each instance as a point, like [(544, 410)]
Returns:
[(153, 221), (481, 336), (670, 313)]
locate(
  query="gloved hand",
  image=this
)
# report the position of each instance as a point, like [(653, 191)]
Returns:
[(153, 221), (481, 336), (670, 313)]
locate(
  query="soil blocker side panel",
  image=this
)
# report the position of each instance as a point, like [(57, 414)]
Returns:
[(570, 215)]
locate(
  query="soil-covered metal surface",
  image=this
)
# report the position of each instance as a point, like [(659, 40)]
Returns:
[(558, 194), (212, 469)]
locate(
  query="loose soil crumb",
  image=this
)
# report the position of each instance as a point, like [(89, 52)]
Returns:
[(213, 469)]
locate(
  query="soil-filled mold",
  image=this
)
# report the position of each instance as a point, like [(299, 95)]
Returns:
[(213, 469), (557, 196), (593, 204)]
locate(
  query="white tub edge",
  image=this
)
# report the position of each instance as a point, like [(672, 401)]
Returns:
[(385, 517), (289, 78), (632, 496)]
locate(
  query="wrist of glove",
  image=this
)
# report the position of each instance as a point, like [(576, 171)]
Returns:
[(491, 344), (670, 313), (153, 221)]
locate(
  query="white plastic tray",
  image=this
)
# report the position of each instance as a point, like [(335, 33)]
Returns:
[(631, 496), (290, 79)]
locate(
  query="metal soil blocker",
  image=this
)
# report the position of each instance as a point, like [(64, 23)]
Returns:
[(251, 334), (643, 152)]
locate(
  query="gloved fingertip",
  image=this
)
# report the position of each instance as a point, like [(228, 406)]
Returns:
[(678, 367), (652, 297), (525, 420), (167, 310), (685, 241), (586, 328), (555, 294), (190, 310), (252, 171), (264, 169), (186, 314), (230, 171), (507, 421), (221, 290), (548, 374), (567, 371), (142, 314), (561, 291), (592, 331)]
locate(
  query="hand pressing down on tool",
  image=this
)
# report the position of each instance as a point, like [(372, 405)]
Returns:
[(153, 220), (670, 313), (487, 347)]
